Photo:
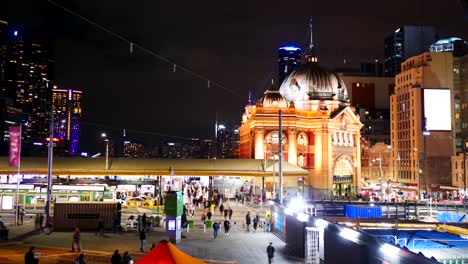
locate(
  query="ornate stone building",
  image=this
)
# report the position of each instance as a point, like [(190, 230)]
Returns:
[(321, 132)]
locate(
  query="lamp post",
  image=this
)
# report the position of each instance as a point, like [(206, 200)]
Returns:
[(426, 133), (464, 172), (399, 168), (379, 159), (104, 135)]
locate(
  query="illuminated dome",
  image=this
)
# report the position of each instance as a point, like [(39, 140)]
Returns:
[(273, 98), (312, 82)]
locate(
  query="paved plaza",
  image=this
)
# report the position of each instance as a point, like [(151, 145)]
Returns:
[(239, 246)]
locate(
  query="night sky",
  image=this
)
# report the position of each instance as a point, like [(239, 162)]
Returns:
[(233, 43)]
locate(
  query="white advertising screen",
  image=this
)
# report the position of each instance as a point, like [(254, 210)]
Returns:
[(437, 109), (7, 202)]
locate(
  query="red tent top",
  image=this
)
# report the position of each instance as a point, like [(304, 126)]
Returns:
[(166, 253)]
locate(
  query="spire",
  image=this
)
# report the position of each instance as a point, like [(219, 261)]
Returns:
[(272, 84), (250, 97), (311, 57)]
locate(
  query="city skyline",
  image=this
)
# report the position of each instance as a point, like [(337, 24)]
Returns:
[(210, 40)]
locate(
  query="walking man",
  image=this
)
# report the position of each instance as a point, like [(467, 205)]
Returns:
[(142, 240), (221, 209), (230, 213), (227, 226), (76, 240), (100, 228), (255, 223), (116, 258), (270, 253), (247, 221), (215, 229)]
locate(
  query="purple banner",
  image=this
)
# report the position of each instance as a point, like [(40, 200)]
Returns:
[(15, 146)]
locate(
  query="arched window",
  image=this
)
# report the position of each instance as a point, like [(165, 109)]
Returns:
[(271, 144), (301, 160)]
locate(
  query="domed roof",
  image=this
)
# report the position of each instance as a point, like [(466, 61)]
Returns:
[(312, 82), (272, 98)]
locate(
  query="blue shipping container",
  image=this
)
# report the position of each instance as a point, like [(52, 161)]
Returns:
[(355, 211)]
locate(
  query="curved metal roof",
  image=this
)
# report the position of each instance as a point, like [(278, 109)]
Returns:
[(129, 166)]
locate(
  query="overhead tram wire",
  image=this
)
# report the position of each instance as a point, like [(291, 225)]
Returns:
[(134, 45), (103, 126)]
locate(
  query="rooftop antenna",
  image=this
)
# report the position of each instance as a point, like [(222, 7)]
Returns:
[(311, 57)]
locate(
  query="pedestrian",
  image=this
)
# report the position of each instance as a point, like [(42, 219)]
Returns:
[(221, 209), (247, 221), (235, 226), (270, 252), (29, 257), (142, 240), (49, 225), (80, 259), (37, 222), (227, 225), (267, 224), (144, 221), (226, 212), (116, 258), (100, 228), (255, 223), (230, 213), (116, 223), (209, 214), (203, 217), (139, 222), (76, 240), (126, 258), (215, 229), (21, 213), (41, 222)]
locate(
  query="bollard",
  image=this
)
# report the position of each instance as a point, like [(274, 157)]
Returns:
[(204, 228), (188, 228)]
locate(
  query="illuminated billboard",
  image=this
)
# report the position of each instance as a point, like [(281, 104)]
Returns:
[(437, 110)]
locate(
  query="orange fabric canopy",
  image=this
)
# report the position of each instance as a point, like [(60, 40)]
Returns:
[(166, 253)]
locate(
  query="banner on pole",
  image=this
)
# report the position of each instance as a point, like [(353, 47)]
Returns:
[(15, 146)]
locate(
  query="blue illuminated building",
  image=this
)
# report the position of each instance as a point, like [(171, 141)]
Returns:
[(67, 115), (458, 46), (289, 58)]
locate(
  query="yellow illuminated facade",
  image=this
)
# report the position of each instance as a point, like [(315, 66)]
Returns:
[(320, 133), (430, 70)]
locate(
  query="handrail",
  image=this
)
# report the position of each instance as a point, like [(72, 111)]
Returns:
[(437, 240)]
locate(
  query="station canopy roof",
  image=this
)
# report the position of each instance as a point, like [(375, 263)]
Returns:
[(131, 166)]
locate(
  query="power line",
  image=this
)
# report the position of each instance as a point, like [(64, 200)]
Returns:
[(134, 45), (152, 133)]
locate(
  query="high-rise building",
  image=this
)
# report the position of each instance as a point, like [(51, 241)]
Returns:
[(405, 42), (421, 121), (28, 72), (67, 115), (133, 150), (289, 58), (370, 96), (227, 142)]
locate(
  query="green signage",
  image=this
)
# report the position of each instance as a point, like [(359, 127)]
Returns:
[(174, 204)]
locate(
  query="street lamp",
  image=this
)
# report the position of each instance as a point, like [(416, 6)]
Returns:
[(464, 171), (104, 135), (379, 159)]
